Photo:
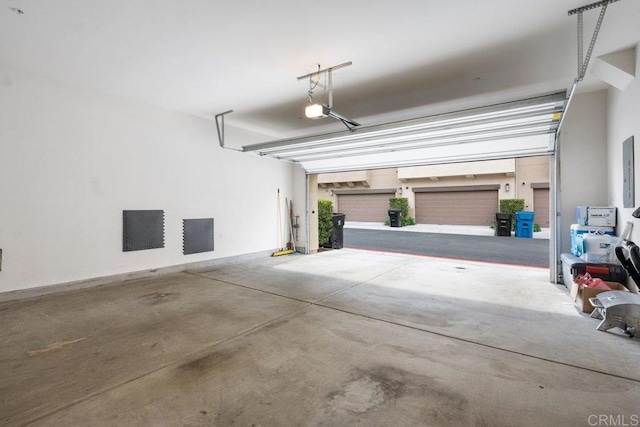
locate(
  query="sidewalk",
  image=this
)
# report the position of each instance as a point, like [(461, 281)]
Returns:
[(468, 230)]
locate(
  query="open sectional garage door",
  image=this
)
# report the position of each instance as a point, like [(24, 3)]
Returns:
[(364, 207), (513, 129), (456, 206)]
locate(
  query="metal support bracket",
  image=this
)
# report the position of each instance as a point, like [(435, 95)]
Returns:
[(335, 67), (583, 61), (220, 126)]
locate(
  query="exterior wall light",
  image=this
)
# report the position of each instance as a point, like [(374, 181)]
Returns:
[(507, 187)]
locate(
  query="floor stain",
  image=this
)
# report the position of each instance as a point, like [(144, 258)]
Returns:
[(368, 390), (159, 298), (349, 336), (383, 386), (446, 405), (358, 396), (53, 347), (208, 362)]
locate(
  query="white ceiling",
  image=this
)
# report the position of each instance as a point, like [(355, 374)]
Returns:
[(410, 58)]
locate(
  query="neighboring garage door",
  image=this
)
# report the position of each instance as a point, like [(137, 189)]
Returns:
[(541, 206), (364, 207), (459, 207)]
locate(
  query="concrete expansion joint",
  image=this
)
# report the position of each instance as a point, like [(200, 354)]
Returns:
[(246, 287), (353, 286), (489, 346), (319, 303)]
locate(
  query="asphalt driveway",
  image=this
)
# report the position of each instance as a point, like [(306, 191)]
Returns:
[(506, 250)]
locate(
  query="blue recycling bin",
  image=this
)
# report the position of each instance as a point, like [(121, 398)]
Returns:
[(524, 224)]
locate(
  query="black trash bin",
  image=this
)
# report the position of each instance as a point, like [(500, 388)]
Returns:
[(395, 217), (503, 224), (337, 232)]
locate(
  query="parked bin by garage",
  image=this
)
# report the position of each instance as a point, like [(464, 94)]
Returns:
[(395, 217), (524, 224), (503, 224), (337, 232)]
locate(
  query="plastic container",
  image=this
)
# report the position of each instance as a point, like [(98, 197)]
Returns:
[(579, 231), (395, 217), (524, 224), (503, 224), (573, 266), (337, 231)]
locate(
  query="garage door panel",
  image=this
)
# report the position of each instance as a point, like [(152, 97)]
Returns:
[(541, 206), (364, 207), (457, 207)]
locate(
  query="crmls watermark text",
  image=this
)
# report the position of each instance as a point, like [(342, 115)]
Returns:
[(614, 420)]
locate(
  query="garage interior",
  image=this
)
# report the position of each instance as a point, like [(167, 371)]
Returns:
[(146, 153), (338, 338)]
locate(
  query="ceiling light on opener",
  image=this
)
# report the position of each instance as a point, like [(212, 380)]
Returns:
[(316, 111)]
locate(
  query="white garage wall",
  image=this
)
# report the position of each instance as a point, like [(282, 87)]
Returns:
[(623, 122), (72, 159), (583, 157)]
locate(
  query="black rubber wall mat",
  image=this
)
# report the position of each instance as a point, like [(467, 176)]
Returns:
[(197, 235), (142, 230)]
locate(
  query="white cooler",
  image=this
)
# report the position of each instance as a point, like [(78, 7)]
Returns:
[(577, 236)]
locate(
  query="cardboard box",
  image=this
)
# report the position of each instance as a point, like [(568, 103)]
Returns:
[(581, 296), (596, 215)]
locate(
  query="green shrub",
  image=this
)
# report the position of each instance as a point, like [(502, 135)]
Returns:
[(408, 221), (511, 206), (536, 228), (325, 222), (401, 203)]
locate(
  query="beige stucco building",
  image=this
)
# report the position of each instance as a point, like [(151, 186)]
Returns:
[(461, 193)]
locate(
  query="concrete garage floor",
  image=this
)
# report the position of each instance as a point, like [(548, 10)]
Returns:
[(339, 338)]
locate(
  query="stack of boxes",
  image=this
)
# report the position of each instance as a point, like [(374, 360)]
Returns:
[(593, 240), (592, 236)]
